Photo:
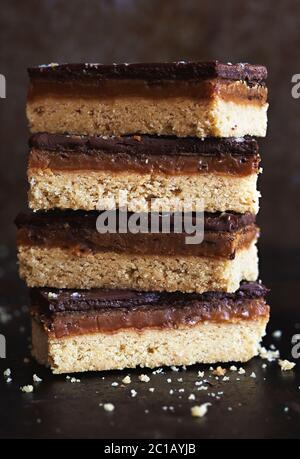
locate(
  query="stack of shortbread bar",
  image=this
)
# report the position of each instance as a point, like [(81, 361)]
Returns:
[(168, 132)]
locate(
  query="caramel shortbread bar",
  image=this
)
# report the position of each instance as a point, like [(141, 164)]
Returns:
[(65, 250), (83, 330), (180, 99), (88, 172)]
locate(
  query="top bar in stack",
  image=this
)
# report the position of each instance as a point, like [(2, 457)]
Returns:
[(181, 99)]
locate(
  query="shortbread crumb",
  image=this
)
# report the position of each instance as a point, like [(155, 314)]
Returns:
[(286, 365), (198, 411)]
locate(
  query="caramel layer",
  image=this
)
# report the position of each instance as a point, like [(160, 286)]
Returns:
[(224, 234), (144, 154), (67, 313), (228, 90)]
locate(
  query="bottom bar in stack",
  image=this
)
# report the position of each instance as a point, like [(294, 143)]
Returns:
[(100, 329)]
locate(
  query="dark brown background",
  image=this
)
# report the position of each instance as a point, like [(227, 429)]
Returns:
[(35, 32)]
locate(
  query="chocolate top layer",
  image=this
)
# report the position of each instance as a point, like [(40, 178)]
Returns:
[(145, 144), (68, 312), (225, 221), (63, 300), (151, 71)]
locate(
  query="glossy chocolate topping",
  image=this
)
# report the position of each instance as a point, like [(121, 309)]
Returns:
[(151, 71), (72, 312), (143, 154)]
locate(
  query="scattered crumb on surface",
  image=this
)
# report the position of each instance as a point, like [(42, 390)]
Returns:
[(8, 380), (267, 354), (200, 374), (7, 372), (219, 371), (173, 368), (192, 397), (74, 380), (253, 375), (198, 411), (126, 380), (286, 365), (151, 389), (109, 407), (241, 371), (114, 384), (133, 393), (233, 368), (144, 378), (27, 389), (36, 378)]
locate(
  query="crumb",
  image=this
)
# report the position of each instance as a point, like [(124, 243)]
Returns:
[(277, 334), (181, 390), (173, 368), (200, 374), (36, 378), (133, 393), (219, 371), (144, 378), (151, 389), (137, 137), (286, 409), (199, 411), (108, 407), (241, 371), (230, 408), (158, 371), (233, 368), (126, 380), (253, 375), (8, 380), (211, 368), (226, 378), (52, 295), (74, 380), (286, 365), (7, 372), (192, 397), (115, 384), (264, 365), (169, 380), (268, 355), (171, 391), (27, 389)]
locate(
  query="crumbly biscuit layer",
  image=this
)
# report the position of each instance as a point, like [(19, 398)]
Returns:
[(66, 268), (89, 190), (176, 116), (203, 343)]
